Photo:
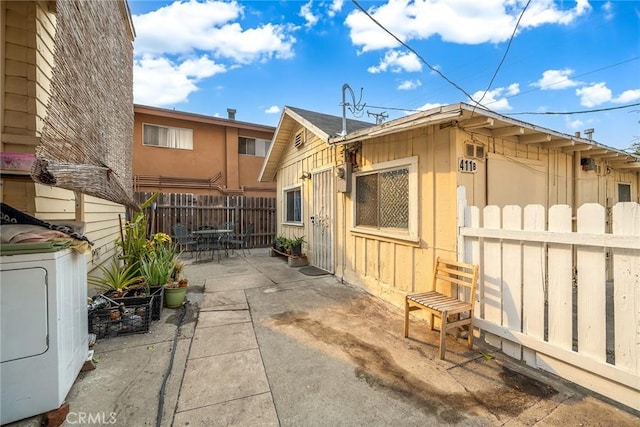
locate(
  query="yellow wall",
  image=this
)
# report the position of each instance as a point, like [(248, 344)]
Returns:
[(28, 32), (390, 267), (313, 155)]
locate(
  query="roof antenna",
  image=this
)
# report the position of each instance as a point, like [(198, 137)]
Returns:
[(355, 107), (380, 117), (589, 133)]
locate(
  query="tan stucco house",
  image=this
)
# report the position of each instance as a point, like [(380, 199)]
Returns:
[(378, 203), (77, 122), (181, 152)]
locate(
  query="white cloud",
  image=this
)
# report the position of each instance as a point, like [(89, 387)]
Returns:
[(456, 21), (158, 81), (608, 11), (513, 89), (556, 80), (396, 61), (427, 106), (183, 28), (630, 95), (168, 39), (336, 6), (496, 99), (596, 94), (274, 109), (409, 84), (575, 124), (307, 14)]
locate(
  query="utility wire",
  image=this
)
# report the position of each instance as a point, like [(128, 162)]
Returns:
[(435, 70), (504, 56), (477, 103), (572, 112)]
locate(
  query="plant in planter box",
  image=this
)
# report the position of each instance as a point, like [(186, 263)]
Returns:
[(133, 241), (280, 243), (116, 280), (295, 244)]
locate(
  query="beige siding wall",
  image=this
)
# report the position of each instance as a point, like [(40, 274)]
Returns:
[(521, 174), (28, 61), (314, 154), (390, 267), (102, 227)]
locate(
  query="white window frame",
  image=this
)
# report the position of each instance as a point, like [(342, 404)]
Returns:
[(286, 190), (411, 232), (264, 144), (187, 146)]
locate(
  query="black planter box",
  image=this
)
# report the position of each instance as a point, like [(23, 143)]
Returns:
[(157, 299), (120, 318)]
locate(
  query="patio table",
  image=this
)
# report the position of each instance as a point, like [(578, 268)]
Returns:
[(211, 239)]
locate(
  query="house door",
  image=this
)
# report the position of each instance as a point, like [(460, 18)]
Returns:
[(322, 219)]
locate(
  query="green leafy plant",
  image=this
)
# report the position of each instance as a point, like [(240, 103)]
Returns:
[(155, 271), (159, 262), (116, 278), (280, 242), (297, 241), (133, 239)]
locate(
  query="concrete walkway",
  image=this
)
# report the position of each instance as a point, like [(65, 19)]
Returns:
[(275, 347), (261, 344)]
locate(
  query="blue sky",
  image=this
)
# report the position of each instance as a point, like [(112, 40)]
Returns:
[(258, 56)]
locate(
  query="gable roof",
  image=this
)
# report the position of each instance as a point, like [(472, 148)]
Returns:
[(462, 115), (491, 124), (324, 126)]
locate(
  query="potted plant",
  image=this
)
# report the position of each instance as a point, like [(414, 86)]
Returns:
[(159, 265), (133, 241), (175, 292), (116, 280), (280, 243), (296, 245)]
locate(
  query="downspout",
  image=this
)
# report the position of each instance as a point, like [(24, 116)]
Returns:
[(574, 190)]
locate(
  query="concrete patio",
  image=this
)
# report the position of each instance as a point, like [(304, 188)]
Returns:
[(261, 344)]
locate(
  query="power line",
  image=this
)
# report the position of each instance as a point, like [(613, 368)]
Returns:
[(575, 77), (478, 103), (598, 110), (435, 70), (504, 56)]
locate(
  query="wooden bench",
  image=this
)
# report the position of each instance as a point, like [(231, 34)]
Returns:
[(447, 307)]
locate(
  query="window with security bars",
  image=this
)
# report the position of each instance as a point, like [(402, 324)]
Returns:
[(382, 199), (293, 205)]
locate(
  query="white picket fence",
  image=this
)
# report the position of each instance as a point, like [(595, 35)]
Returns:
[(543, 295)]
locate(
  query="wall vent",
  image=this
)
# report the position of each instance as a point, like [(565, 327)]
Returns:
[(474, 151), (299, 139)]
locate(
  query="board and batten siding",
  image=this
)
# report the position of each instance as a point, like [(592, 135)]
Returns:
[(388, 267), (314, 154), (28, 53)]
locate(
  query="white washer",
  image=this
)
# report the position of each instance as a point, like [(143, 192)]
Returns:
[(43, 330)]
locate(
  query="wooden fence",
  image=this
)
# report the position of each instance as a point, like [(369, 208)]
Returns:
[(544, 296), (198, 211)]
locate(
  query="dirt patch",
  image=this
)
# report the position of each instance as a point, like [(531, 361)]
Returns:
[(526, 384), (376, 366)]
